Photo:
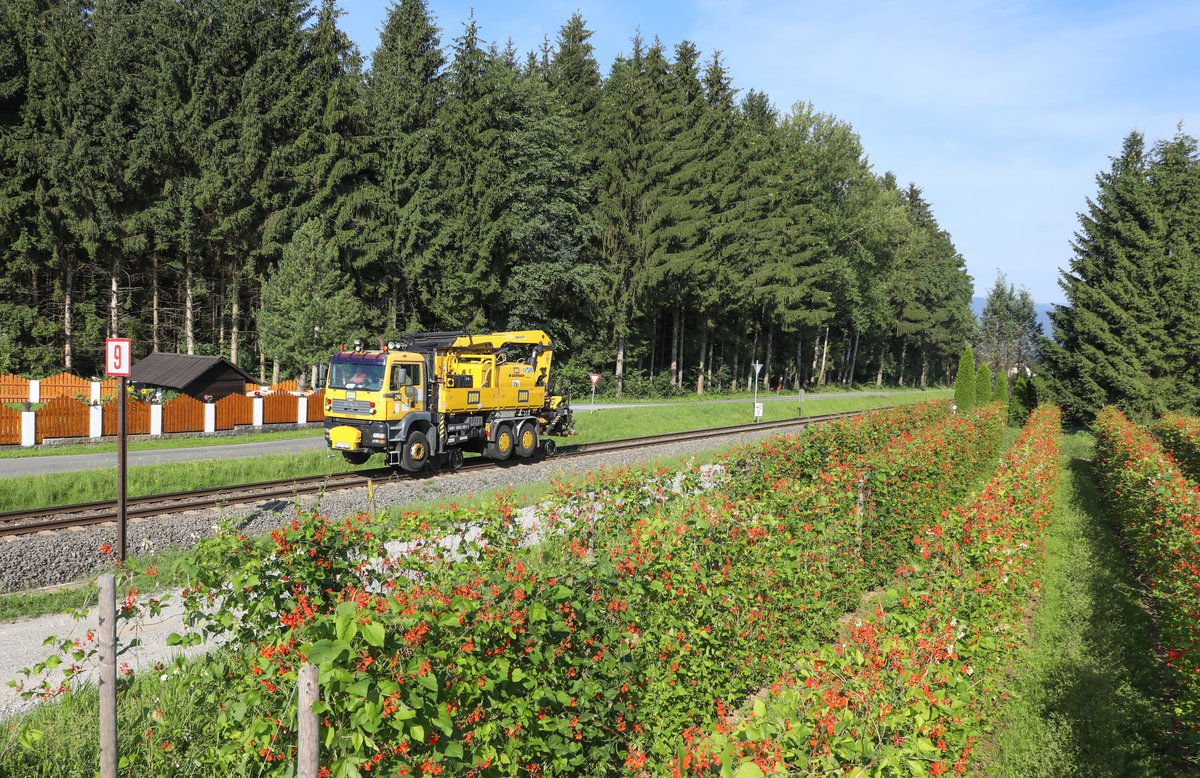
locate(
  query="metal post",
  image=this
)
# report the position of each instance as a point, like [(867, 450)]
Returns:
[(108, 676), (121, 457), (308, 735)]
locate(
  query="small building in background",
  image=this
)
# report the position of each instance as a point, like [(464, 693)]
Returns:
[(197, 376)]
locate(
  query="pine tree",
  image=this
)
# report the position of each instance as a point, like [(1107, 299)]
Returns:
[(964, 382), (1116, 339), (308, 303), (404, 94)]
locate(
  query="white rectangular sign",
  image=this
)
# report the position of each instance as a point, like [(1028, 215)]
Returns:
[(757, 410), (118, 357)]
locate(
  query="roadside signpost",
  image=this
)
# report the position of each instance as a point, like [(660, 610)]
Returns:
[(758, 409), (118, 357), (595, 377)]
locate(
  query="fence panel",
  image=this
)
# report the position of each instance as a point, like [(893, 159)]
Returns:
[(13, 388), (183, 414), (316, 406), (234, 409), (10, 426), (284, 386), (279, 409), (62, 417), (137, 417), (108, 387), (65, 384)]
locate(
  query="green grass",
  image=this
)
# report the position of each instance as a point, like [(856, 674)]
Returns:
[(93, 485), (159, 443), (1089, 696)]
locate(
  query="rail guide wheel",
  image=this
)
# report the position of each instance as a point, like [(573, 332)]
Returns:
[(549, 448), (454, 459)]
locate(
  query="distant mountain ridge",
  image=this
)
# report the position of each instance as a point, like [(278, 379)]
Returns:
[(1042, 309)]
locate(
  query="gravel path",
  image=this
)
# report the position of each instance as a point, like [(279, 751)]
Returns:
[(55, 558)]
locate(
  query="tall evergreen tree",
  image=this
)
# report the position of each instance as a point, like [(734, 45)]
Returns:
[(404, 93), (983, 385), (1115, 340)]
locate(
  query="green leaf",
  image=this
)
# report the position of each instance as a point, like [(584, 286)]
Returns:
[(417, 733), (327, 651), (749, 770), (428, 681), (373, 632)]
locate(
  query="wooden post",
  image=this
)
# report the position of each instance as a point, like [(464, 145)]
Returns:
[(308, 735), (108, 676)]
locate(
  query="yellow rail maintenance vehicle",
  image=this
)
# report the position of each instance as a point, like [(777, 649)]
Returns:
[(434, 395)]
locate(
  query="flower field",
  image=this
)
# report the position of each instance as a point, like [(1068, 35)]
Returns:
[(1158, 508), (843, 602)]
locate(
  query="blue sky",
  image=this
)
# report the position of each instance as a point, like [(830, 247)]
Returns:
[(1002, 112)]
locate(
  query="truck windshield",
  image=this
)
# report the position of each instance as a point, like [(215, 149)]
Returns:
[(357, 374)]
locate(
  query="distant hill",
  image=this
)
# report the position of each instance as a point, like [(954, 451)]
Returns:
[(1042, 309)]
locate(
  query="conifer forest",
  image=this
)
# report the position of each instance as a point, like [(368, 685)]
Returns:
[(230, 177)]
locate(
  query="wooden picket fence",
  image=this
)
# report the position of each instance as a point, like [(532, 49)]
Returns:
[(10, 426), (279, 409), (13, 388), (137, 417), (316, 406), (62, 417), (183, 414), (234, 409), (282, 386)]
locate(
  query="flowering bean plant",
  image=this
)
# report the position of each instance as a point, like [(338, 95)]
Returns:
[(910, 686), (1158, 510), (612, 630)]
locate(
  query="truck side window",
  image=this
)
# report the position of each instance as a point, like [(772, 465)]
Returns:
[(405, 375)]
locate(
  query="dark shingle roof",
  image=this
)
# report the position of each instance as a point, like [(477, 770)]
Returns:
[(176, 371)]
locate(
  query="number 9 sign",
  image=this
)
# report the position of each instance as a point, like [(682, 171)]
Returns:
[(117, 357)]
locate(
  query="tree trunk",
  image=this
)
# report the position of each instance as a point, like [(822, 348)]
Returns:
[(751, 376), (903, 352), (766, 378), (734, 382), (274, 371), (711, 341), (653, 345), (824, 357), (799, 361), (262, 367), (235, 313), (812, 373), (924, 363), (700, 375), (189, 310), (853, 360), (68, 320), (394, 314), (675, 347), (620, 364), (113, 303), (882, 352), (300, 380), (682, 330), (154, 302)]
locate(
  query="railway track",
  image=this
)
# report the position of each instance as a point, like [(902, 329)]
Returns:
[(66, 516)]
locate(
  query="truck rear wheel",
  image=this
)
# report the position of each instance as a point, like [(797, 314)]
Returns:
[(527, 441), (416, 452), (502, 447)]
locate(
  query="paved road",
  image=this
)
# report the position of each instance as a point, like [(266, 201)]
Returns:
[(72, 463)]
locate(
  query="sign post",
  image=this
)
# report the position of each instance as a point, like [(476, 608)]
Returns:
[(595, 377), (758, 409), (118, 358)]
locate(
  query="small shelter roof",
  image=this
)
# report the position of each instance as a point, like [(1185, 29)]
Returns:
[(178, 371)]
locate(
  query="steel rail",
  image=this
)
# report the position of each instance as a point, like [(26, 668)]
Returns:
[(35, 520)]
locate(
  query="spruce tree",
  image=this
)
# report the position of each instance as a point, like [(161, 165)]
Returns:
[(964, 382)]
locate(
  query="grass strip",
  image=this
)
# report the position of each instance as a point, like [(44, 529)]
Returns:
[(1088, 689), (93, 485)]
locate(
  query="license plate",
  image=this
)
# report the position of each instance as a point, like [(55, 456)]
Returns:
[(342, 445), (351, 395)]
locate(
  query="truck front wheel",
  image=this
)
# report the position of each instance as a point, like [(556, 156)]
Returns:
[(416, 452)]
